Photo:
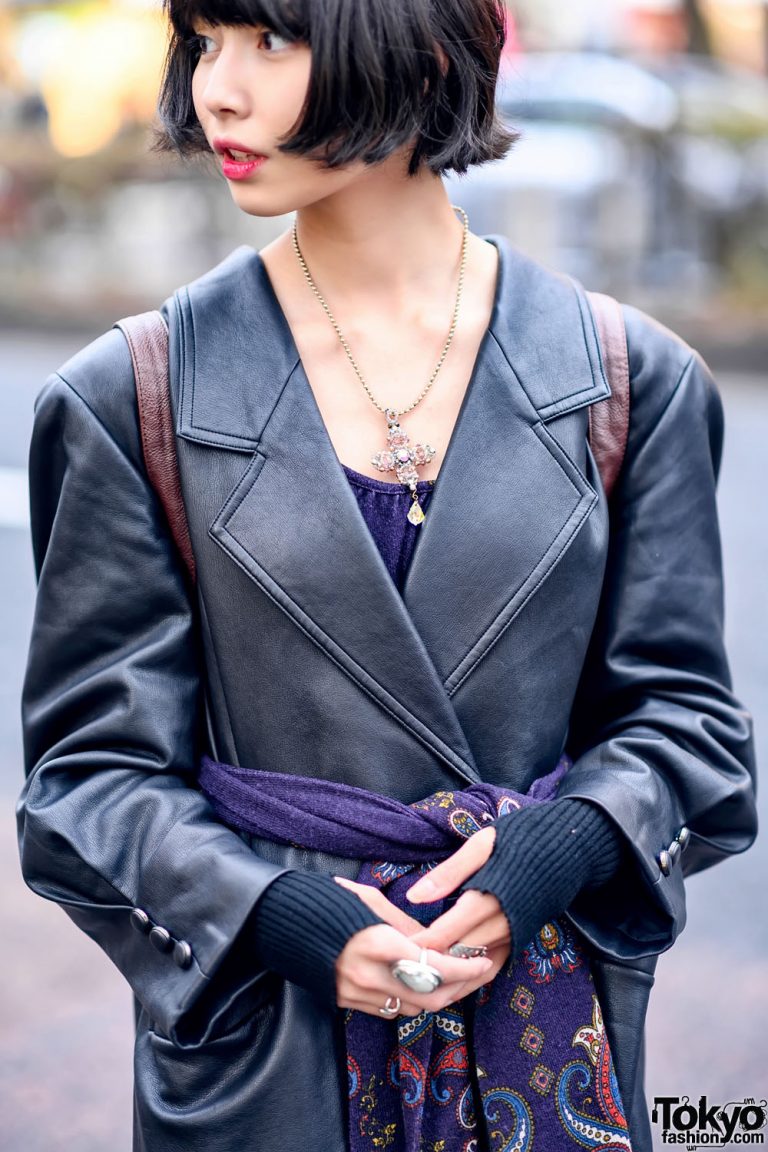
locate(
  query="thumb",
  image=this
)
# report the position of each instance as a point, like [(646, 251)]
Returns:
[(447, 876)]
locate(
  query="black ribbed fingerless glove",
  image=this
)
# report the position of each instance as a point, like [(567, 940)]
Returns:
[(543, 857), (301, 924)]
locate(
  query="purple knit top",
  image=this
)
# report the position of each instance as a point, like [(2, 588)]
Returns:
[(384, 505)]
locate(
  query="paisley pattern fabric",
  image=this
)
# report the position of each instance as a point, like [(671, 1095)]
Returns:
[(522, 1064)]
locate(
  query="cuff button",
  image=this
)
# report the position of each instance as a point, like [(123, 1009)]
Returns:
[(140, 921), (182, 954), (675, 851), (683, 836), (161, 939), (665, 862)]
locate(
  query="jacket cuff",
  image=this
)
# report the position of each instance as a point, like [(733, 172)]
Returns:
[(641, 911), (543, 856), (301, 925)]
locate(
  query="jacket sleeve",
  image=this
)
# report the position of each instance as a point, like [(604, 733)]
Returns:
[(658, 738), (110, 823)]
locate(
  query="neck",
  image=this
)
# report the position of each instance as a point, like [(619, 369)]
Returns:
[(382, 239)]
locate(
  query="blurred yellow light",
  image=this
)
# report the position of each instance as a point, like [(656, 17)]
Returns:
[(105, 70), (737, 28)]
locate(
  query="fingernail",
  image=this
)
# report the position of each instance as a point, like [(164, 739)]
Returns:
[(422, 890)]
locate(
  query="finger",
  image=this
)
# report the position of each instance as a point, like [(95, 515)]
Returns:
[(359, 993), (346, 883), (371, 1007), (363, 970), (446, 877), (494, 932), (452, 969), (408, 1007), (474, 918), (382, 945), (448, 994), (371, 971), (371, 985), (381, 905), (491, 933), (499, 957), (451, 993)]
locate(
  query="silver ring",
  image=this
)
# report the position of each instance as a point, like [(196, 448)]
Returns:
[(468, 951), (417, 974), (391, 1007)]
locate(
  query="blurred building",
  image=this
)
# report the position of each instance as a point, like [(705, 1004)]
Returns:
[(734, 30), (643, 164), (95, 64)]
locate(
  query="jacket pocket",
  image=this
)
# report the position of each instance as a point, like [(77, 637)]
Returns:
[(224, 1008), (273, 1077)]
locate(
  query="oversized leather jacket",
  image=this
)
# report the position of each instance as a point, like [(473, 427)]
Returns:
[(535, 619)]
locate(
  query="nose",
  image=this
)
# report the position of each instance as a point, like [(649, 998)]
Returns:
[(224, 86)]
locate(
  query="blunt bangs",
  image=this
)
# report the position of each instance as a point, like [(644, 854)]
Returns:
[(290, 18), (377, 79)]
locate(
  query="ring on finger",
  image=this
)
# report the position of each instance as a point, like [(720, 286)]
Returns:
[(417, 974), (468, 951), (391, 1007)]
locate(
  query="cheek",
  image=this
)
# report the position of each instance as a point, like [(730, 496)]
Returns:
[(196, 91), (284, 96)]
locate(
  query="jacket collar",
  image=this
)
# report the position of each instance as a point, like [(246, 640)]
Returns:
[(238, 351), (505, 506)]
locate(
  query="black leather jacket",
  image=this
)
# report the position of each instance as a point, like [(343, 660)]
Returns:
[(532, 621)]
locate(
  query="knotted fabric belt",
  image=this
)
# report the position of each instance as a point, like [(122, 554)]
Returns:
[(522, 1063)]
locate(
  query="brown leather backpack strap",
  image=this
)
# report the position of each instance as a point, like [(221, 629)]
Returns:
[(609, 418), (147, 337)]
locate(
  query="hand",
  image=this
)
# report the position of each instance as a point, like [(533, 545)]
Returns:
[(383, 907), (364, 980), (476, 917)]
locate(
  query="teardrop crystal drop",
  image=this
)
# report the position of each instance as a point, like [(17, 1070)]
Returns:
[(416, 513)]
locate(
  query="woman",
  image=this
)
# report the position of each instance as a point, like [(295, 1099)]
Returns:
[(231, 787)]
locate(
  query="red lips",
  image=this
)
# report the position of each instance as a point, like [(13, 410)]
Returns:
[(224, 145), (234, 167)]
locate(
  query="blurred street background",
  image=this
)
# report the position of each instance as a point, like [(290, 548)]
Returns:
[(642, 170)]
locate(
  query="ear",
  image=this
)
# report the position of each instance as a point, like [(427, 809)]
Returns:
[(442, 57), (443, 61)]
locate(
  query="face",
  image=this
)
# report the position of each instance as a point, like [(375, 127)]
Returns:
[(248, 89)]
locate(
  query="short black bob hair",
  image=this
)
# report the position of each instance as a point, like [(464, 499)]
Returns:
[(376, 78)]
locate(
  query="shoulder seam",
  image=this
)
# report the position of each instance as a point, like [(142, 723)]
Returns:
[(683, 373), (138, 469)]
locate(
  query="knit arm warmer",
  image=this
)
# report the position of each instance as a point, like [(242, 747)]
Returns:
[(301, 924), (542, 858)]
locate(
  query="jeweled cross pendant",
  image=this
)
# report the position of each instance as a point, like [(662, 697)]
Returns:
[(404, 458)]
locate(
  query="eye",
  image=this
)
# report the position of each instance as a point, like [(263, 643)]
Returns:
[(202, 45), (273, 41)]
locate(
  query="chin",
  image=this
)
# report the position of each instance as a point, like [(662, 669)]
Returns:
[(266, 211), (257, 202)]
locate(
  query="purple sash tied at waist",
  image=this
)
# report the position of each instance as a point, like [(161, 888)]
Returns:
[(522, 1063)]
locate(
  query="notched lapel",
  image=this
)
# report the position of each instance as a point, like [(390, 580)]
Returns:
[(506, 505), (505, 508), (508, 501), (294, 526)]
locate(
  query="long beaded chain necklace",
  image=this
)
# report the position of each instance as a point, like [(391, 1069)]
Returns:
[(399, 455)]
